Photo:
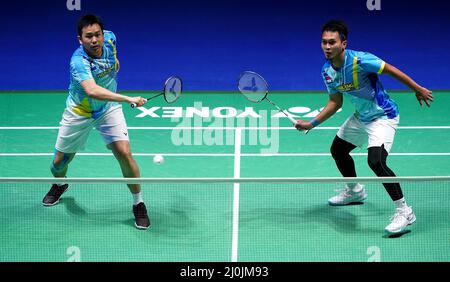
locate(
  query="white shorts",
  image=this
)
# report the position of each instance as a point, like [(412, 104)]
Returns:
[(380, 131), (74, 130)]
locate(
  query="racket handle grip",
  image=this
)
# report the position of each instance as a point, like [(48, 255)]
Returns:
[(134, 105), (294, 121)]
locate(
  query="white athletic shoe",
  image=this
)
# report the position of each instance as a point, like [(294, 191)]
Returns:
[(400, 220), (348, 196)]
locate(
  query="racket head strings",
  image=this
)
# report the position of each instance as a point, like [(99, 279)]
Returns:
[(172, 89), (253, 86)]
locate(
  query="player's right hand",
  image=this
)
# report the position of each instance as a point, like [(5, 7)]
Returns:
[(303, 125), (137, 101)]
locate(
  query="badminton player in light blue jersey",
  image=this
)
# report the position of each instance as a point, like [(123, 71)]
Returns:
[(355, 75), (94, 103)]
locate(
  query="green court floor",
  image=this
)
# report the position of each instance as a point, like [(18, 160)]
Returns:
[(193, 222)]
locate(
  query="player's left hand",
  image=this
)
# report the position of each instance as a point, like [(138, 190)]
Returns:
[(425, 95)]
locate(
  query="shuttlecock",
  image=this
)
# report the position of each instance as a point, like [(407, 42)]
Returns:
[(158, 159)]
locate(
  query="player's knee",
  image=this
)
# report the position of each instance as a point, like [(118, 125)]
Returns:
[(124, 155), (375, 164), (339, 149), (334, 150), (59, 164), (375, 160), (55, 169)]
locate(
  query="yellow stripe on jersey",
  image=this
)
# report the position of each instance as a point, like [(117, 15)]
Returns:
[(383, 64), (355, 72), (83, 109), (115, 55)]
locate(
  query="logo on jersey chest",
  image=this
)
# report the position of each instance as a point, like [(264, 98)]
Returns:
[(105, 72), (346, 87), (101, 69), (328, 78)]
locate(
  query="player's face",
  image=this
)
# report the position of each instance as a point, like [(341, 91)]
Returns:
[(92, 40), (332, 45)]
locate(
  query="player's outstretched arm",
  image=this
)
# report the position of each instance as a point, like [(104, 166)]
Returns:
[(333, 105), (100, 93), (422, 94)]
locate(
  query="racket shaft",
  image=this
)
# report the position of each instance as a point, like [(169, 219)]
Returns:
[(153, 97), (288, 116), (133, 105)]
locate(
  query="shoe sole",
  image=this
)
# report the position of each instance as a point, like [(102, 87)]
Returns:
[(141, 227), (349, 203), (49, 205), (57, 201)]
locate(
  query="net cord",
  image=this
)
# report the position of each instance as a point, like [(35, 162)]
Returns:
[(226, 180)]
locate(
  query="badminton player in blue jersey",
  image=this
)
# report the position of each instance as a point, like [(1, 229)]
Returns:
[(93, 102), (355, 75)]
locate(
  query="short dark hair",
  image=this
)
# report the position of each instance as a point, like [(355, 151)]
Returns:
[(88, 20), (336, 26)]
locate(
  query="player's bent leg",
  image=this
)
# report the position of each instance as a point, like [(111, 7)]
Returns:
[(58, 168), (122, 152), (60, 163), (352, 192), (340, 151), (404, 215), (376, 159)]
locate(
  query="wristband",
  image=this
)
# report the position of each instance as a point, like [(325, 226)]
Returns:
[(314, 122)]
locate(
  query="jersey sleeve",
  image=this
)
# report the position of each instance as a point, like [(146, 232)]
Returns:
[(110, 37), (371, 63), (331, 89), (111, 41), (80, 69)]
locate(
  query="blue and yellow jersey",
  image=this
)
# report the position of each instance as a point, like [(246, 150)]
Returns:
[(103, 70), (358, 80)]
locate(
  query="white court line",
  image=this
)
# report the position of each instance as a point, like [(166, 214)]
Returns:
[(212, 128), (220, 155), (237, 174)]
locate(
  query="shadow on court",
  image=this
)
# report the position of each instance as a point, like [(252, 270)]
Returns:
[(72, 207), (342, 219)]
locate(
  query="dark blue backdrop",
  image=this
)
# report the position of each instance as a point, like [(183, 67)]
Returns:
[(208, 43)]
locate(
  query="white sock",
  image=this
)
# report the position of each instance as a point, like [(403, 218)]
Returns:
[(401, 203), (355, 187), (61, 184), (137, 198)]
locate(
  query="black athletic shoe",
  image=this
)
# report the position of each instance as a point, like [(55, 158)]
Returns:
[(52, 197), (141, 218)]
